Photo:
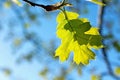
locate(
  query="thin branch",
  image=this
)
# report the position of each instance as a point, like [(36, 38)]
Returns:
[(50, 7), (105, 55)]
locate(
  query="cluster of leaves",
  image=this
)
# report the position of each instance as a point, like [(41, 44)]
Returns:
[(78, 36)]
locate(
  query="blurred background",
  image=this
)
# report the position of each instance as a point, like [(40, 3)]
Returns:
[(28, 42)]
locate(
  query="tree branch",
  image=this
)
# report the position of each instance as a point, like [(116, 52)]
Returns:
[(105, 55), (49, 7)]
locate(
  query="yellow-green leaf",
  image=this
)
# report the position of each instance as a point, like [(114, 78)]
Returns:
[(82, 54), (97, 2), (76, 36), (93, 31), (70, 15)]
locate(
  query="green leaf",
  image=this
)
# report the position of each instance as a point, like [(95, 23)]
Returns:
[(97, 2), (76, 36)]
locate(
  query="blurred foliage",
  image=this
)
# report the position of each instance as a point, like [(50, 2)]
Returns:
[(17, 2), (7, 4), (95, 77), (117, 71), (17, 42), (43, 73), (97, 2), (7, 71), (116, 44)]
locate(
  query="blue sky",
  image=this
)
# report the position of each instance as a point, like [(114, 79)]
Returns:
[(47, 31)]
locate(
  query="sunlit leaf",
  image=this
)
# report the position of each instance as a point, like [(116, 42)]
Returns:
[(76, 36), (61, 17)]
